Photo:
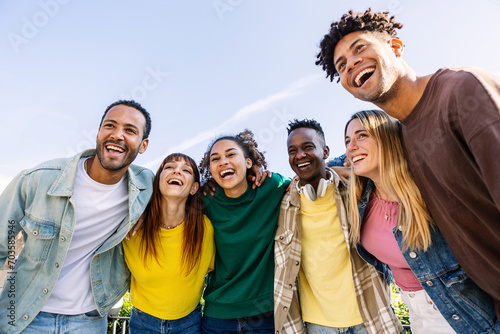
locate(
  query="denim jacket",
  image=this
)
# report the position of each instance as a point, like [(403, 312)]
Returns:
[(38, 202), (466, 307)]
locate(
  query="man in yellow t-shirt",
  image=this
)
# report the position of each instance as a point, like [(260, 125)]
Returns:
[(315, 266)]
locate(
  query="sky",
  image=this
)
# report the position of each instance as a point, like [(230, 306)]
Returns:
[(201, 68)]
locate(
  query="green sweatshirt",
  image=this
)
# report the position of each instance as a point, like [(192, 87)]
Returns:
[(242, 283)]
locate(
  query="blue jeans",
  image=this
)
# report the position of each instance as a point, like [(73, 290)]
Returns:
[(144, 323), (319, 329), (261, 323), (50, 323)]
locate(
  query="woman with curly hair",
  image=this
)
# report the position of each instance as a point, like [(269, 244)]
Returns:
[(172, 252), (239, 295), (392, 230)]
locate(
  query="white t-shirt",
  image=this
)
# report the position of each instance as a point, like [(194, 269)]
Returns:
[(99, 210)]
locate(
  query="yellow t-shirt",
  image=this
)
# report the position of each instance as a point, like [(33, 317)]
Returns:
[(164, 291), (326, 287)]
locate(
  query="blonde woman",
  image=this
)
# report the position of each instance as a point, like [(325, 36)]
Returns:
[(393, 231)]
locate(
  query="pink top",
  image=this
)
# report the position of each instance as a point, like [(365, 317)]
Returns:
[(378, 239)]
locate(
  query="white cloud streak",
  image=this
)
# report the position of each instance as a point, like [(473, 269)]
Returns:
[(294, 89)]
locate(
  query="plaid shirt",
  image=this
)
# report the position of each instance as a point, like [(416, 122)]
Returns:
[(372, 293)]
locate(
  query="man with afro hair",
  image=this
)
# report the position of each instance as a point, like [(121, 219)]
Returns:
[(450, 128)]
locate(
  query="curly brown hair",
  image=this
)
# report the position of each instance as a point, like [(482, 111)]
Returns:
[(370, 21), (245, 141)]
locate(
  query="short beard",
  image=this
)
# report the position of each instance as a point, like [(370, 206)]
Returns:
[(128, 159)]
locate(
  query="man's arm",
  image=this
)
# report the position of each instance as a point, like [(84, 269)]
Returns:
[(12, 203), (485, 147), (479, 119), (257, 176), (337, 162), (341, 166)]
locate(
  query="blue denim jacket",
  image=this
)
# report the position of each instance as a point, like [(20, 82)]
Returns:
[(466, 307), (38, 202)]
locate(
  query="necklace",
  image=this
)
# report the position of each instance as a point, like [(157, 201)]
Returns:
[(384, 205), (171, 227)]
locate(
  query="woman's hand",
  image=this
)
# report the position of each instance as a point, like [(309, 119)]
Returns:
[(134, 229)]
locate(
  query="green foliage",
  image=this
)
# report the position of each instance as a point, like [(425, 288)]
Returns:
[(400, 308), (124, 312), (127, 306)]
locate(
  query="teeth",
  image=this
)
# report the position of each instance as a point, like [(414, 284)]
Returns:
[(175, 181), (115, 148), (303, 164), (358, 157), (363, 72), (225, 172)]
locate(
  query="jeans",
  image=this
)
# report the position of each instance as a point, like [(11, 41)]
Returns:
[(261, 323), (319, 329), (50, 323), (425, 318), (144, 323)]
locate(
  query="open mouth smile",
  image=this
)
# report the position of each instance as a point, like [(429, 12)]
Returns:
[(226, 173), (114, 149), (176, 182), (304, 165), (358, 158), (362, 76)]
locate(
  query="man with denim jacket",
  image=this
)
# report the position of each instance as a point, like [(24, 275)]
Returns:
[(73, 214), (319, 279)]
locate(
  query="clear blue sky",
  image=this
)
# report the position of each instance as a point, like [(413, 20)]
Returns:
[(201, 68)]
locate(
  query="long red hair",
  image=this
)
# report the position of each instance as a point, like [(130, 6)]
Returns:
[(194, 228)]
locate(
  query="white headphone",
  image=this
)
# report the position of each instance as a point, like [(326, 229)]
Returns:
[(309, 191)]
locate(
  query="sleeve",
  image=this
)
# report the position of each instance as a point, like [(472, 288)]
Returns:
[(282, 182), (209, 234), (480, 122), (12, 204), (337, 162)]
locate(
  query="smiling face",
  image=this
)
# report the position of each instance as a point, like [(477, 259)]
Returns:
[(119, 139), (228, 167), (362, 151), (369, 65), (177, 180), (306, 155)]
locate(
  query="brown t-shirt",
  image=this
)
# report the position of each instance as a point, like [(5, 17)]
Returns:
[(452, 142)]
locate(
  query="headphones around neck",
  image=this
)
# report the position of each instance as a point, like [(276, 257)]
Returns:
[(309, 191)]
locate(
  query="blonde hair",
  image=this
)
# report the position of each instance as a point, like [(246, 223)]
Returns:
[(395, 177)]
